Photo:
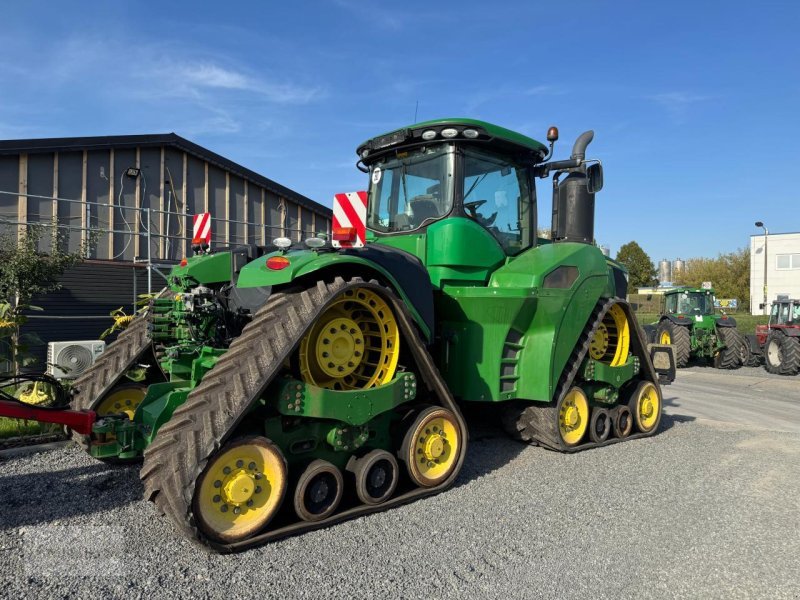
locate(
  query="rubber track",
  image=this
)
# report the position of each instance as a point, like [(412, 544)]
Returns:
[(200, 426), (110, 367), (537, 423)]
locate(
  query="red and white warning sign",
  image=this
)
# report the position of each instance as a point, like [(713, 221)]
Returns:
[(349, 219), (202, 229)]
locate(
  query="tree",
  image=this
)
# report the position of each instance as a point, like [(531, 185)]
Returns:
[(729, 274), (25, 274), (641, 271)]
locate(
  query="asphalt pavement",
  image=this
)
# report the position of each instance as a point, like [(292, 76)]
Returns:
[(708, 508)]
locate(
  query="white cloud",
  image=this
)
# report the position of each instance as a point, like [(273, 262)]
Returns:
[(677, 103), (195, 78)]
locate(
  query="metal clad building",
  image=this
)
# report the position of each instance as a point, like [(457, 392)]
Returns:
[(82, 183)]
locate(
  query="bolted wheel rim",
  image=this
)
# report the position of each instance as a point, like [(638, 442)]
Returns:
[(124, 400), (646, 406), (431, 446), (241, 489), (665, 338), (573, 416), (355, 344)]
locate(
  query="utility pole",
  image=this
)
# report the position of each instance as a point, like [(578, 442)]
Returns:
[(766, 234)]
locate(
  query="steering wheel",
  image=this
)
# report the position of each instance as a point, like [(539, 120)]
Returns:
[(473, 207)]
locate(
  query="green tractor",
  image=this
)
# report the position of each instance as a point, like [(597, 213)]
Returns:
[(690, 323), (295, 386)]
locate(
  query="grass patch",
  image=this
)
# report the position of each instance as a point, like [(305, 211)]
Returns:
[(17, 427), (745, 323)]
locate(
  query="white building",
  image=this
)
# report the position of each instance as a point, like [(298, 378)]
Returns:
[(783, 268)]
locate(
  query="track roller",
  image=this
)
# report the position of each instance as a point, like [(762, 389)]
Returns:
[(241, 489), (319, 491), (431, 446), (623, 421), (599, 425), (376, 476)]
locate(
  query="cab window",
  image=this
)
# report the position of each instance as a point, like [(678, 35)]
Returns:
[(497, 196)]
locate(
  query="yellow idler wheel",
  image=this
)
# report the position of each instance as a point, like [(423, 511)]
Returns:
[(612, 340), (355, 343), (431, 446), (240, 489), (665, 338), (573, 416), (124, 399), (645, 406)]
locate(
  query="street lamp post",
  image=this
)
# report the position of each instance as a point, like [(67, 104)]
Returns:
[(766, 234)]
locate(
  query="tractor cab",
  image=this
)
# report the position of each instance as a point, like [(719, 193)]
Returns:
[(785, 312), (690, 302), (453, 168)]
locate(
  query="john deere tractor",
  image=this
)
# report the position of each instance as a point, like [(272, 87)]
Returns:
[(690, 323), (291, 387)]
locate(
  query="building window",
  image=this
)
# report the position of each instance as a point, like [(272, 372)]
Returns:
[(788, 261)]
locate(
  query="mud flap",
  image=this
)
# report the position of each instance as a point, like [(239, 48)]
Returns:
[(663, 359)]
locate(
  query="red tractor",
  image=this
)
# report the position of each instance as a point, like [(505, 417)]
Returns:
[(779, 341)]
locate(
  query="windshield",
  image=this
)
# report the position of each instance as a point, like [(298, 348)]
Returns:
[(411, 190), (696, 303)]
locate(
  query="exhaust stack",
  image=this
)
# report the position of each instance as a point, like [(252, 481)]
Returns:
[(573, 204)]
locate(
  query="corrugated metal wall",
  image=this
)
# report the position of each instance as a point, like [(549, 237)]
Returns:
[(87, 189)]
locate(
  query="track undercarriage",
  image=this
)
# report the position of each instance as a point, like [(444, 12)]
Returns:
[(271, 441), (581, 416)]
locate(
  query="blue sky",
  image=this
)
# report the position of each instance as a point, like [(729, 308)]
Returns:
[(694, 104)]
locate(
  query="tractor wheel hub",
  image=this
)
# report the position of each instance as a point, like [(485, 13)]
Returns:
[(239, 487), (434, 446), (340, 347), (571, 416), (647, 408)]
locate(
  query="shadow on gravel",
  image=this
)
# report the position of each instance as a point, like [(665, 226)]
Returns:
[(32, 498), (668, 421)]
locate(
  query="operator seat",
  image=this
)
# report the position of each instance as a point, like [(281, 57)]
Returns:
[(423, 207)]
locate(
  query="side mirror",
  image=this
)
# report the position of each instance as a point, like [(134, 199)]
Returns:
[(594, 178)]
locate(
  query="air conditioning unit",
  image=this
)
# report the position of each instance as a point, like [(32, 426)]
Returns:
[(68, 360)]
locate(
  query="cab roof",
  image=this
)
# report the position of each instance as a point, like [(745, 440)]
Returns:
[(485, 133)]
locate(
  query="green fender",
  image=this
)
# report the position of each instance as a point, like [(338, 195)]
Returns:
[(303, 263)]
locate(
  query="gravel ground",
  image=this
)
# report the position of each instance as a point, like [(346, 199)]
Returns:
[(701, 510)]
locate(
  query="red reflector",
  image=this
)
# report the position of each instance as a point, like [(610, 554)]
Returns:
[(276, 263), (184, 262), (344, 234)]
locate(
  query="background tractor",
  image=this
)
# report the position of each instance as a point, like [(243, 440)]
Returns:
[(778, 342), (689, 322), (291, 387)]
